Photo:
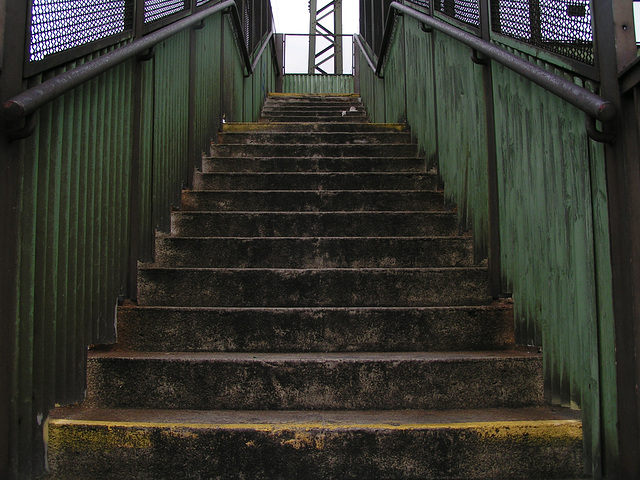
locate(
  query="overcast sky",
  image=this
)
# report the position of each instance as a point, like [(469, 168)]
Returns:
[(292, 16)]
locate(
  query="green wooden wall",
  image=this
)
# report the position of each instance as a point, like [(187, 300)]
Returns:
[(293, 83), (553, 223), (78, 193)]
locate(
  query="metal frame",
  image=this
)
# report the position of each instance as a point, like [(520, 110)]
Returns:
[(592, 104), (618, 108), (20, 107), (284, 43), (316, 29)]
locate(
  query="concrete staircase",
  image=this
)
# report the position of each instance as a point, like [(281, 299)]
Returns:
[(314, 314)]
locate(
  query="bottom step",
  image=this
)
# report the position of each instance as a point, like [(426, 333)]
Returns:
[(531, 443)]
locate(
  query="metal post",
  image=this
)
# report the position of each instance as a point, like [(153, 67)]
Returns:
[(334, 37), (337, 30), (135, 202), (615, 48), (14, 14), (495, 274), (313, 14)]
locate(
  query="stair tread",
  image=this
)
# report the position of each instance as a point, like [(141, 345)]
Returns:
[(498, 305), (389, 270), (381, 419), (383, 238), (322, 357)]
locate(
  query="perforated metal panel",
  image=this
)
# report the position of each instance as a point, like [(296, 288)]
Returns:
[(421, 3), (466, 11), (559, 26), (59, 25), (157, 9)]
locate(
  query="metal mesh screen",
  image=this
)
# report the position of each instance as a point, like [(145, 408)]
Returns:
[(59, 25), (421, 3), (466, 11), (558, 26), (202, 2), (157, 9)]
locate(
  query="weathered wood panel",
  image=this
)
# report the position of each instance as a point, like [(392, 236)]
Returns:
[(552, 207), (318, 84)]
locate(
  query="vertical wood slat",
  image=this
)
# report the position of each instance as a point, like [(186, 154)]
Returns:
[(553, 222), (74, 229)]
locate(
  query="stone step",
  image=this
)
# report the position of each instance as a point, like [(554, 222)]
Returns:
[(328, 329), (518, 444), (263, 287), (313, 109), (313, 181), (310, 252), (311, 150), (233, 127), (303, 138), (304, 118), (313, 224), (319, 99), (312, 200), (314, 381), (314, 164)]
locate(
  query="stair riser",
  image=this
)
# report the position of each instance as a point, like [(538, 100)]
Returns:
[(309, 119), (518, 452), (313, 252), (335, 138), (314, 127), (313, 288), (313, 109), (306, 101), (309, 201), (322, 384), (328, 165), (315, 181), (359, 224), (319, 150), (315, 330)]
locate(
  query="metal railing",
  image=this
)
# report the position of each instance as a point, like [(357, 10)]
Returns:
[(550, 203), (595, 107), (110, 132), (21, 107)]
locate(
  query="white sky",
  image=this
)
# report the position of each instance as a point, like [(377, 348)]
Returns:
[(292, 16)]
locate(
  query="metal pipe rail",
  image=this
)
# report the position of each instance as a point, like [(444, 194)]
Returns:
[(269, 38), (595, 107), (21, 107), (364, 52)]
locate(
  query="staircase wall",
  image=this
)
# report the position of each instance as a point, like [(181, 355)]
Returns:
[(97, 179), (553, 222), (293, 83)]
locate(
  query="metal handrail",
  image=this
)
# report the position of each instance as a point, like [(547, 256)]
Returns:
[(364, 52), (592, 104), (269, 38), (23, 105)]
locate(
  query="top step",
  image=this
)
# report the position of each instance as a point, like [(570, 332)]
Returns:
[(318, 99)]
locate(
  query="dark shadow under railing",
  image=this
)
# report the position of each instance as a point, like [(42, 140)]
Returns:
[(594, 106)]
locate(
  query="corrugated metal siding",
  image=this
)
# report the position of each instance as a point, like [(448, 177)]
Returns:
[(462, 139), (553, 208), (76, 202), (372, 92), (318, 84), (170, 131), (73, 245), (555, 254), (233, 78)]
